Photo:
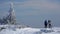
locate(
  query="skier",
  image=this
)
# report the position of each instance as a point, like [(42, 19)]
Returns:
[(49, 24), (45, 23)]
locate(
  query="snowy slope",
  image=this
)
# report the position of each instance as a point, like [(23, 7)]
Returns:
[(20, 31), (13, 30), (55, 30)]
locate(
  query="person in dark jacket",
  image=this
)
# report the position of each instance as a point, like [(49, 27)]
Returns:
[(45, 23)]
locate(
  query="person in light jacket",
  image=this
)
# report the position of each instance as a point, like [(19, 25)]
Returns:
[(49, 24)]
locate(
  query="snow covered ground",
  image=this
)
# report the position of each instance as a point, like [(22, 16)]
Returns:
[(28, 30)]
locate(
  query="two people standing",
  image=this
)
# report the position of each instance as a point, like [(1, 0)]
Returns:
[(47, 24)]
